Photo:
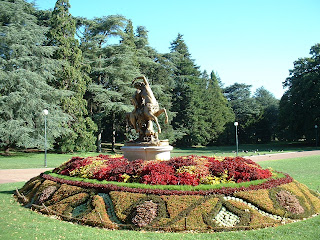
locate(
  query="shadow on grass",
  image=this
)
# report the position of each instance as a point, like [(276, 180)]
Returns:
[(7, 192), (272, 147)]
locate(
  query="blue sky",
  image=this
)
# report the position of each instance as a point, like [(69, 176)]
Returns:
[(245, 41)]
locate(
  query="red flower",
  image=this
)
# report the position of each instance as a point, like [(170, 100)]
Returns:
[(158, 174), (75, 163), (178, 162), (186, 178), (113, 170), (165, 172)]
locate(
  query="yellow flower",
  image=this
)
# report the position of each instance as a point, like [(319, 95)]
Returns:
[(188, 169), (125, 177)]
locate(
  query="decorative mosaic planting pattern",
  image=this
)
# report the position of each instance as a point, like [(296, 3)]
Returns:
[(118, 209), (225, 218)]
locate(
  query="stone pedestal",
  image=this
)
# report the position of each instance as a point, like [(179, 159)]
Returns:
[(147, 151)]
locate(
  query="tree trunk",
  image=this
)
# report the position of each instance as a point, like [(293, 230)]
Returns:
[(7, 150)]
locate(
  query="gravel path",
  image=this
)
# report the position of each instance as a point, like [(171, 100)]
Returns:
[(278, 156), (21, 175)]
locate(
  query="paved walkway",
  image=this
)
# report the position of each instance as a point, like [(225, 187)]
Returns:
[(20, 175), (278, 156)]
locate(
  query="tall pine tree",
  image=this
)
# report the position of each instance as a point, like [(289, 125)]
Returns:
[(214, 112), (26, 67), (186, 91), (72, 76)]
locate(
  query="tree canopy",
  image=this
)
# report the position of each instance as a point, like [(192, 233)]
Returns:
[(300, 105), (52, 60), (72, 76), (26, 68)]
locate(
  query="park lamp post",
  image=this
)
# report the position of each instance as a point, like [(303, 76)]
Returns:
[(237, 143), (45, 112), (316, 128)]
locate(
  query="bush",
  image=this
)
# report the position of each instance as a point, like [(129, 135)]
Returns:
[(239, 169), (73, 163), (178, 162), (113, 170), (158, 174)]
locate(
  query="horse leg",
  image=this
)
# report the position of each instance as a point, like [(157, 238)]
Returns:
[(135, 124), (152, 117), (163, 110), (132, 120)]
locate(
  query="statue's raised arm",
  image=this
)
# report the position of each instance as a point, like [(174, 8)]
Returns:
[(145, 80), (145, 91)]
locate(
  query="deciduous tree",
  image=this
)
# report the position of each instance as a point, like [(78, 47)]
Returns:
[(245, 108), (300, 105), (267, 123)]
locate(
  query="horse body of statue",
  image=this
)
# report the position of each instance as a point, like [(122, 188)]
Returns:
[(146, 111)]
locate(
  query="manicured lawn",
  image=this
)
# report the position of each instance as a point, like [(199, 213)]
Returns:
[(17, 222), (244, 149), (19, 160), (305, 170)]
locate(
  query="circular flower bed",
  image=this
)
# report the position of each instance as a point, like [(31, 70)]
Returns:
[(184, 193), (186, 170)]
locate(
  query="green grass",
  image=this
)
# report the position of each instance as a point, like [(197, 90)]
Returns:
[(17, 222), (305, 170), (244, 150), (21, 160)]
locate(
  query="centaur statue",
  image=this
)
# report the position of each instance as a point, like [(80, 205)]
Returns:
[(146, 111)]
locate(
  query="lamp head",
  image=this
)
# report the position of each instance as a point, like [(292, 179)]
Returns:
[(45, 112)]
